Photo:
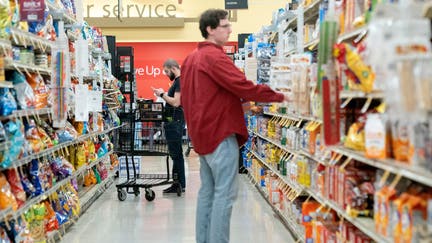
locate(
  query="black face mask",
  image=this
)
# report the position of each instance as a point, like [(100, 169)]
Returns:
[(171, 76)]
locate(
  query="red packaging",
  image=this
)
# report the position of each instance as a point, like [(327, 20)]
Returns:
[(331, 115)]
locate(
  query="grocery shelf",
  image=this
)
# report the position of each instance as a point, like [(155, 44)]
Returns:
[(290, 52), (90, 195), (312, 45), (310, 12), (24, 38), (296, 231), (14, 65), (366, 225), (352, 34), (26, 113), (293, 185), (411, 172), (313, 157), (59, 11), (54, 188), (274, 142), (294, 117), (5, 46), (377, 94), (297, 152), (50, 151), (6, 84)]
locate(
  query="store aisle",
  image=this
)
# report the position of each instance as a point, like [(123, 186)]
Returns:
[(171, 219)]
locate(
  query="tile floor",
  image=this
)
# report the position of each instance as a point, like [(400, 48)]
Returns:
[(170, 218)]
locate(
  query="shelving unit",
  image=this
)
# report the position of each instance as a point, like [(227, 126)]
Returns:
[(25, 39), (25, 68), (399, 168), (353, 34), (292, 225), (310, 12), (294, 117)]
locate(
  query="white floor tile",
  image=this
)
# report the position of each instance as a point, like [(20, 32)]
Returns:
[(170, 218)]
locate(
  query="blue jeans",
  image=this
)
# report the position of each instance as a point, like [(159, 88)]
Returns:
[(173, 135), (219, 186)]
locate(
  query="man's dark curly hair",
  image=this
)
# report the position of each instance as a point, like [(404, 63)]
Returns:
[(211, 18)]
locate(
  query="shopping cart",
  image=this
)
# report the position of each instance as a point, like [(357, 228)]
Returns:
[(143, 135)]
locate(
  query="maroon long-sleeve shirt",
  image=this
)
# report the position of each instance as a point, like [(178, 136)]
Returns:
[(211, 92)]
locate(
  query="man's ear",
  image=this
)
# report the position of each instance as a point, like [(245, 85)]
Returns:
[(209, 29)]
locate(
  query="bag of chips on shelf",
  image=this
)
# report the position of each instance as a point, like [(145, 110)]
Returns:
[(97, 175), (51, 222), (23, 232), (4, 236), (46, 140), (355, 138), (7, 199), (23, 91), (14, 131), (68, 133), (32, 136), (102, 170), (50, 131), (80, 156), (40, 90), (27, 186), (7, 102), (36, 222), (46, 175), (79, 126), (92, 156), (16, 186), (34, 177), (114, 161), (89, 178)]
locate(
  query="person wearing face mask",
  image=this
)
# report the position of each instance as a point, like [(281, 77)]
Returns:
[(174, 123)]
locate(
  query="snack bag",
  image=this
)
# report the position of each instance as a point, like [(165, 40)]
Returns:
[(40, 90), (16, 187), (7, 199)]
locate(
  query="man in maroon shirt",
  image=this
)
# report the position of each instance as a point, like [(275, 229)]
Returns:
[(212, 93)]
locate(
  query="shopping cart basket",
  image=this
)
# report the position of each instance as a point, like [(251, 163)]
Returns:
[(144, 135)]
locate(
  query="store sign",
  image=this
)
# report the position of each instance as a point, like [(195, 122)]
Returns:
[(32, 10), (148, 63), (132, 10), (236, 4)]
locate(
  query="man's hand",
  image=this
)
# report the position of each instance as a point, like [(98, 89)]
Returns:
[(158, 92), (287, 98)]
